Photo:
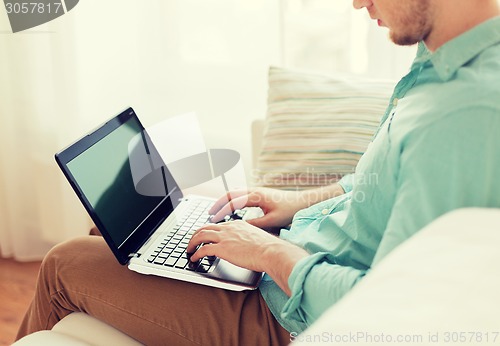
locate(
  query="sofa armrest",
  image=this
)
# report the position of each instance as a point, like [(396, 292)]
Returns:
[(441, 283)]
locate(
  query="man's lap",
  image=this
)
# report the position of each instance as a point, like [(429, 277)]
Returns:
[(151, 308)]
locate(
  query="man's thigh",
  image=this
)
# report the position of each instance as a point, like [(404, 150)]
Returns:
[(156, 310)]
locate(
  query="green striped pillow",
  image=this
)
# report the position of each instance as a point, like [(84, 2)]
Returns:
[(317, 127)]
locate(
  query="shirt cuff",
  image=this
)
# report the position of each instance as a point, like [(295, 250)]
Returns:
[(347, 182), (292, 310)]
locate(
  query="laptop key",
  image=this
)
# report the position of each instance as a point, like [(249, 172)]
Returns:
[(181, 263), (173, 242), (207, 262), (170, 261), (171, 251), (159, 261), (202, 269)]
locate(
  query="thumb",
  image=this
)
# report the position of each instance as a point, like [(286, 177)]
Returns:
[(263, 222)]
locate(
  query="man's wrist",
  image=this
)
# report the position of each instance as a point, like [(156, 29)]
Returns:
[(280, 259)]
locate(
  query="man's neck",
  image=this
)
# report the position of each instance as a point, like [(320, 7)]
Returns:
[(454, 17)]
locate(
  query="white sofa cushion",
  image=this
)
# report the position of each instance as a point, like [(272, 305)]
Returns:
[(441, 287), (78, 329)]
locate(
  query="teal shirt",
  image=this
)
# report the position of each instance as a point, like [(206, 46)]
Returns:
[(437, 149)]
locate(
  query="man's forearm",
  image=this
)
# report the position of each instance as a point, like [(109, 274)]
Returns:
[(281, 259)]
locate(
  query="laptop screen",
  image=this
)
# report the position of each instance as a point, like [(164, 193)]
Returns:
[(123, 181)]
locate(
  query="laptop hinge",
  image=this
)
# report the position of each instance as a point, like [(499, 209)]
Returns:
[(134, 254)]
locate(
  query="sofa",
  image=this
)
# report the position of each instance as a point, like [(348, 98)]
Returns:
[(439, 287)]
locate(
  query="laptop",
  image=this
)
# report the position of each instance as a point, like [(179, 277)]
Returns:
[(141, 212)]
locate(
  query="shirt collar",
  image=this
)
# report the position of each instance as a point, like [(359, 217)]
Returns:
[(457, 52)]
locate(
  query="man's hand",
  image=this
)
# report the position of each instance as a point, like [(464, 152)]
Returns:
[(245, 243), (278, 206), (249, 247)]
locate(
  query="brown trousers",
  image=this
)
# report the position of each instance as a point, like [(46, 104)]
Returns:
[(83, 275)]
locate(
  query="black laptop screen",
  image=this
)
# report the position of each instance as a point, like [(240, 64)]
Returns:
[(123, 179)]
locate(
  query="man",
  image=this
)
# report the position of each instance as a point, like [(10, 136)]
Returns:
[(436, 150)]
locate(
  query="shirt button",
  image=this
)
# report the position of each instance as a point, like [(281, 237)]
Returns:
[(395, 101), (325, 211)]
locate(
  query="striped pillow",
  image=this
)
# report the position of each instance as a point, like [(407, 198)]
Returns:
[(317, 127)]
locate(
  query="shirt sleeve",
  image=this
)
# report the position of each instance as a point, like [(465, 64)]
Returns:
[(347, 182), (316, 283)]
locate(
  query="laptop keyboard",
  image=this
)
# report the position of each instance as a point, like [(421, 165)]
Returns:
[(171, 251)]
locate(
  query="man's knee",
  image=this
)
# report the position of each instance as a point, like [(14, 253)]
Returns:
[(67, 247), (67, 251)]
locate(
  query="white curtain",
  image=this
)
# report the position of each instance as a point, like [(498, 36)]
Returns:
[(325, 35), (163, 57), (37, 72)]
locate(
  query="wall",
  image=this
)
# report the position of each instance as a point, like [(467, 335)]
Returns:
[(163, 57)]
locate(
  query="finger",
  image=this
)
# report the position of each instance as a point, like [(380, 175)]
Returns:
[(261, 222), (204, 251), (201, 237), (252, 200), (222, 201), (229, 208), (209, 226)]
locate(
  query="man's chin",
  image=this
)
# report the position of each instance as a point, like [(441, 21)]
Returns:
[(404, 40)]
